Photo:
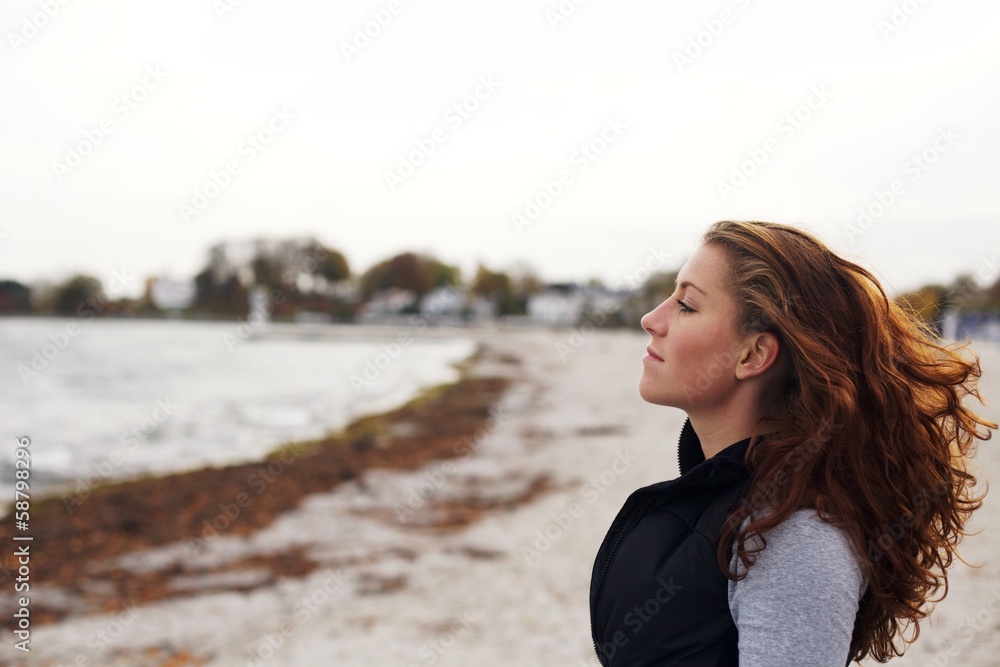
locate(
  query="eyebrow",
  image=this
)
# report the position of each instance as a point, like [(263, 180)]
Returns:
[(686, 284)]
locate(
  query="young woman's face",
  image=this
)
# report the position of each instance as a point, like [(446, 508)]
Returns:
[(693, 352)]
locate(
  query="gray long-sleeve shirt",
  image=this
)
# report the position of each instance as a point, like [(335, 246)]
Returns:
[(797, 604)]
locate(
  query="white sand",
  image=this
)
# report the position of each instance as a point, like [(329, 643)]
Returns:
[(394, 595)]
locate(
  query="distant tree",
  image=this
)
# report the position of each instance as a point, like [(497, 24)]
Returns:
[(524, 282), (496, 285), (964, 293), (266, 271), (204, 288), (331, 265), (228, 298), (646, 297), (407, 271), (78, 290), (657, 287), (990, 296), (15, 298), (443, 274)]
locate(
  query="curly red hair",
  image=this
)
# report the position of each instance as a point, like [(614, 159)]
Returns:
[(871, 430)]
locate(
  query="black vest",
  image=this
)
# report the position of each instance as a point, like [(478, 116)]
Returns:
[(657, 594)]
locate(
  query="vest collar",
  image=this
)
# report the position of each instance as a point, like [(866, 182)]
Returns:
[(690, 454)]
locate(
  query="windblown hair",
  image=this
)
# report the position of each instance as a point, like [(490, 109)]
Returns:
[(869, 430)]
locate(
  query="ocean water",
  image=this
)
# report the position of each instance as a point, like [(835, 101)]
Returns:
[(112, 399)]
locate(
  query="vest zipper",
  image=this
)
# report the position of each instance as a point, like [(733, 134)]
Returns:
[(679, 438), (640, 505), (611, 553)]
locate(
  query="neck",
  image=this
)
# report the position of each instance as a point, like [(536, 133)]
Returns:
[(717, 434)]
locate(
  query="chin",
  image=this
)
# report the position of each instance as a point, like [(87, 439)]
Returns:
[(651, 395)]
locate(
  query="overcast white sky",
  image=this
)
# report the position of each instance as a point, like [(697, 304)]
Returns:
[(678, 130)]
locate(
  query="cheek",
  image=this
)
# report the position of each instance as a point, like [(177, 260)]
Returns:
[(700, 356)]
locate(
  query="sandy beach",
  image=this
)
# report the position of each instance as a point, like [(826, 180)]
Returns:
[(482, 558)]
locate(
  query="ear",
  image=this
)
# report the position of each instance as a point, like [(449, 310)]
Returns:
[(758, 354)]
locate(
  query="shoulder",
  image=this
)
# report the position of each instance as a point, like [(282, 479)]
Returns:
[(802, 592), (805, 535), (806, 548)]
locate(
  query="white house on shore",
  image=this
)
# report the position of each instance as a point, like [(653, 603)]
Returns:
[(557, 305), (167, 293), (387, 303), (567, 304)]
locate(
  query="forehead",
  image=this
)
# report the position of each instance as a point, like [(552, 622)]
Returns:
[(706, 268)]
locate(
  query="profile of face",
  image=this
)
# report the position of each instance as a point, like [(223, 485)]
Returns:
[(694, 353)]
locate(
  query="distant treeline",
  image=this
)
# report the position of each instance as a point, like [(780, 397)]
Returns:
[(306, 276)]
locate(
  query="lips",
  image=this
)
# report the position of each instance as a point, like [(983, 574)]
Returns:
[(654, 355)]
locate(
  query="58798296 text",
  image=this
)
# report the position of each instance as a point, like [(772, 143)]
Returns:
[(22, 551)]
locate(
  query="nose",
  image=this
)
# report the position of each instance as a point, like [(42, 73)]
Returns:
[(654, 322)]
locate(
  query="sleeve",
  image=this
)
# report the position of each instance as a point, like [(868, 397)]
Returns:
[(797, 604)]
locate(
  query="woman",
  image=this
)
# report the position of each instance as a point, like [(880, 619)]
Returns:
[(823, 488)]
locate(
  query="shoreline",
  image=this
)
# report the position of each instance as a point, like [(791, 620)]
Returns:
[(74, 545), (72, 463)]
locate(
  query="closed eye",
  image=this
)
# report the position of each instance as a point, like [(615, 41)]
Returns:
[(684, 308)]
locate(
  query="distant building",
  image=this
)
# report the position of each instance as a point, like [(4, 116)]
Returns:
[(558, 305), (446, 302), (15, 298), (387, 303), (569, 304), (482, 309), (971, 325), (167, 293)]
